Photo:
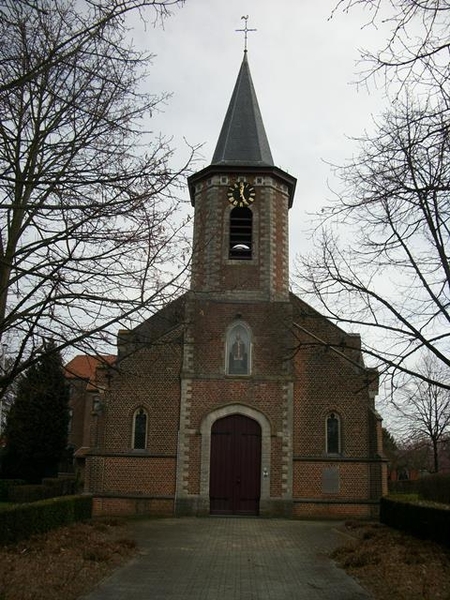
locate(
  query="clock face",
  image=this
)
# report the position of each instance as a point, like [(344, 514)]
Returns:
[(241, 194)]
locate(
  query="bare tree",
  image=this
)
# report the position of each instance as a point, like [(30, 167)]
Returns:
[(382, 257), (100, 14), (424, 408), (417, 46), (90, 219)]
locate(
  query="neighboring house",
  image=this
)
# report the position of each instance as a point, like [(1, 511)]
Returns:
[(237, 397), (444, 457), (415, 460), (86, 377), (404, 474)]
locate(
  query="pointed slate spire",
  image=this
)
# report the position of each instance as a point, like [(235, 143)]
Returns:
[(243, 140)]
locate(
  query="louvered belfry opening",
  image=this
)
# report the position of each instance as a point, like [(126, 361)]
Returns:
[(241, 222)]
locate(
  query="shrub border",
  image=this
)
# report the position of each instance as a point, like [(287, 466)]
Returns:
[(426, 522), (24, 520)]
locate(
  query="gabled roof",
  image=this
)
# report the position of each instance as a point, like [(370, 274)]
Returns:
[(243, 140), (84, 366)]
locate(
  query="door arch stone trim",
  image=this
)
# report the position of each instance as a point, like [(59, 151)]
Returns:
[(205, 431)]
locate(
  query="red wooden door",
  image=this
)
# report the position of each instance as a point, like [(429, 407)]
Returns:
[(235, 470)]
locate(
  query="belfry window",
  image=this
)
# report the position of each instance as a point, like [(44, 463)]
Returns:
[(238, 350), (241, 223), (333, 434), (140, 429)]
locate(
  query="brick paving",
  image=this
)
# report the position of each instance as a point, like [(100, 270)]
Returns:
[(232, 559)]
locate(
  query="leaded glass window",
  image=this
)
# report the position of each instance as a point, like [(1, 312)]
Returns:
[(140, 429), (333, 434)]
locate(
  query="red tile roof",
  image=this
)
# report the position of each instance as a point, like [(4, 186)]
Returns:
[(83, 366)]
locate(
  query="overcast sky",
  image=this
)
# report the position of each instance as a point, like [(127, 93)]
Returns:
[(303, 64)]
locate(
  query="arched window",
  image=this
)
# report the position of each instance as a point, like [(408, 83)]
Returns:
[(333, 434), (238, 350), (140, 429), (241, 223)]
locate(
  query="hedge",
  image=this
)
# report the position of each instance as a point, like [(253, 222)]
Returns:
[(427, 522), (24, 520), (61, 486), (30, 493), (435, 487), (5, 487), (404, 486), (50, 488)]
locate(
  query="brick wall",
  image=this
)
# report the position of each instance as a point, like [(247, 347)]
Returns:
[(148, 378), (132, 506), (353, 480), (267, 272), (302, 368), (269, 323), (79, 431), (331, 378), (330, 510)]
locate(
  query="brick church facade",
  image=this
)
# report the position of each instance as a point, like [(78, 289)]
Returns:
[(237, 397)]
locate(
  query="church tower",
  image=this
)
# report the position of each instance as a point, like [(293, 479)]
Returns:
[(238, 341), (241, 205)]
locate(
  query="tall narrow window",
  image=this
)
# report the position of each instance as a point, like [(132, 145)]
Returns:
[(238, 350), (241, 222), (140, 429), (333, 431)]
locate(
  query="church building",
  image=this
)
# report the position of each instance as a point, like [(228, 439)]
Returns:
[(237, 398)]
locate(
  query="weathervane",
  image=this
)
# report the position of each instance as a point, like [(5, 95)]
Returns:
[(245, 30)]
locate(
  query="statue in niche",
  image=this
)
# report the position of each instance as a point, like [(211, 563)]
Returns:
[(238, 353)]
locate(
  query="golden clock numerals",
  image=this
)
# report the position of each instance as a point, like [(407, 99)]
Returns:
[(241, 194)]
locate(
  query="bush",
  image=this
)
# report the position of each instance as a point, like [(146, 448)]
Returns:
[(50, 488), (82, 508), (404, 486), (24, 520), (435, 488), (6, 485), (29, 493), (428, 522), (61, 486)]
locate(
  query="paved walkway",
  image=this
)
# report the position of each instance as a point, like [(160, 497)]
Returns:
[(232, 559)]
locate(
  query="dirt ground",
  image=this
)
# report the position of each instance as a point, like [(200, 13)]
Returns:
[(394, 566), (69, 562), (65, 563)]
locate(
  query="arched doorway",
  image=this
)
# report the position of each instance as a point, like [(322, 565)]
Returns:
[(235, 467)]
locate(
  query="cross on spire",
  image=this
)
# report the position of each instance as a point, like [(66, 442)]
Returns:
[(245, 30)]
